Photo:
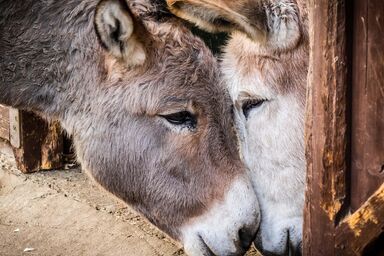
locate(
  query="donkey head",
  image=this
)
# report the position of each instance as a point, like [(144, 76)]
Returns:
[(265, 65), (172, 148)]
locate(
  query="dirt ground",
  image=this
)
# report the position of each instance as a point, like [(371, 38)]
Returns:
[(64, 213)]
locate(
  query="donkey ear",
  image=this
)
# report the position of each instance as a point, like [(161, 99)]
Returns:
[(217, 16), (115, 27), (264, 22)]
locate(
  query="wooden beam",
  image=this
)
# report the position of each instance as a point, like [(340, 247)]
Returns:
[(362, 227), (41, 144), (326, 127)]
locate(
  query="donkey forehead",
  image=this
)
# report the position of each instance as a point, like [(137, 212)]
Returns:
[(187, 67), (178, 81), (195, 97), (174, 47), (257, 71)]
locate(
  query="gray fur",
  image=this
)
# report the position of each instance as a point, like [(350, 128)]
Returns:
[(51, 62)]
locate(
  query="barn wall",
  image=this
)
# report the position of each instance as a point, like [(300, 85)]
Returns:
[(367, 167)]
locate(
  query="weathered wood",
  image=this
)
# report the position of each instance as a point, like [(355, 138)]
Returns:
[(4, 123), (52, 148), (14, 128), (326, 127), (362, 227), (367, 172), (332, 190), (41, 144)]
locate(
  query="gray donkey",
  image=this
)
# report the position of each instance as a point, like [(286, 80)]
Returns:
[(142, 97)]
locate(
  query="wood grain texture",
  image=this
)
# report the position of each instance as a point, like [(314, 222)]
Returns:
[(4, 123), (326, 127), (345, 129), (367, 172), (362, 227), (41, 144)]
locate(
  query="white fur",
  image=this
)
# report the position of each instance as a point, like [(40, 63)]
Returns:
[(274, 154), (272, 137), (284, 26), (219, 228), (273, 148)]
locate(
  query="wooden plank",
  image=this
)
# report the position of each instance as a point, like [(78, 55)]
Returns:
[(362, 227), (15, 128), (326, 127), (41, 144), (367, 168), (4, 123)]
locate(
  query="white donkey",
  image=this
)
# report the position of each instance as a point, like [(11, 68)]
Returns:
[(265, 65)]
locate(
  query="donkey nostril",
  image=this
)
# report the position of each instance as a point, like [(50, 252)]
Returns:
[(246, 237)]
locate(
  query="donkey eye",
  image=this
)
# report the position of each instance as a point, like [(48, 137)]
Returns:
[(252, 104), (183, 118)]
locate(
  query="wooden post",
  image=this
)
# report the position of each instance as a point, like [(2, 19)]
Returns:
[(344, 213), (37, 145), (326, 128)]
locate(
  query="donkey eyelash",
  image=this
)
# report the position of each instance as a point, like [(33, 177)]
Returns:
[(182, 119), (250, 104)]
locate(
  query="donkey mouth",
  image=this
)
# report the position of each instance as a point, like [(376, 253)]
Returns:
[(290, 249), (207, 251)]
